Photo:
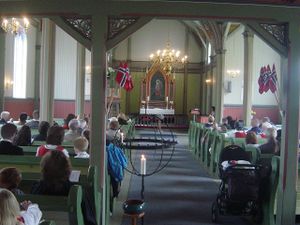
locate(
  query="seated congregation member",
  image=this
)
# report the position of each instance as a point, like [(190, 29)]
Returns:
[(34, 123), (22, 119), (86, 134), (231, 122), (82, 126), (81, 145), (113, 132), (10, 179), (251, 139), (55, 169), (4, 117), (54, 141), (210, 122), (271, 147), (264, 128), (122, 119), (23, 137), (225, 123), (10, 213), (255, 126), (72, 133), (264, 120), (8, 133), (69, 117), (43, 129)]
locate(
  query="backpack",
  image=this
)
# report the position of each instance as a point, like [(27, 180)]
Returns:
[(116, 162)]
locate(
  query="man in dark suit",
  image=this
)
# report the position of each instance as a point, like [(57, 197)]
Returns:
[(8, 132)]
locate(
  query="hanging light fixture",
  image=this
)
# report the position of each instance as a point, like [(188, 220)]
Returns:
[(233, 73), (14, 26), (168, 58)]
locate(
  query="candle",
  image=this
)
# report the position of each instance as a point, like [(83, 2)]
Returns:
[(122, 137), (143, 165), (167, 99), (148, 98)]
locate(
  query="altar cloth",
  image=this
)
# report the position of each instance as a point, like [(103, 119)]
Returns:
[(157, 111)]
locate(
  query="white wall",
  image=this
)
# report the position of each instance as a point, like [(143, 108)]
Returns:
[(153, 36), (65, 66), (263, 56), (234, 59)]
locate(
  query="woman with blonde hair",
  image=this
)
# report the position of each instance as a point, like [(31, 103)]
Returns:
[(10, 213)]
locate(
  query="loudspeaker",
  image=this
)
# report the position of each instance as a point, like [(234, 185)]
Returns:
[(227, 87)]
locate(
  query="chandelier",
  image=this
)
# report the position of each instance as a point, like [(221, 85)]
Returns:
[(14, 26), (233, 73), (168, 58)]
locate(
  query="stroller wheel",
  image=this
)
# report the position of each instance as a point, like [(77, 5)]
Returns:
[(214, 212)]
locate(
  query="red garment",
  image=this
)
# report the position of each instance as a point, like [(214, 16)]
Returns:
[(66, 127), (240, 134), (43, 149)]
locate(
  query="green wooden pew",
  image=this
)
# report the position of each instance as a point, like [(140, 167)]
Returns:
[(28, 163), (47, 222), (31, 150), (90, 181), (70, 204)]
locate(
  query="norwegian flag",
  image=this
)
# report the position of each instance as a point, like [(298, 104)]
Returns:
[(267, 79), (124, 78), (273, 80)]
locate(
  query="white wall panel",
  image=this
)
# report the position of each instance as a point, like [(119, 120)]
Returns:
[(65, 66), (31, 43)]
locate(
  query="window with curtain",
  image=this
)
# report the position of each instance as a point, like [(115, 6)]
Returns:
[(20, 66), (208, 53)]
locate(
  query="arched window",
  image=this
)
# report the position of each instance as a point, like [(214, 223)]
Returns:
[(20, 65), (208, 53)]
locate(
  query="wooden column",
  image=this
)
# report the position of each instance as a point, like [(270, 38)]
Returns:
[(47, 70), (208, 91), (248, 75), (185, 75), (286, 204), (80, 81), (129, 60), (37, 70), (220, 59), (98, 103), (2, 68)]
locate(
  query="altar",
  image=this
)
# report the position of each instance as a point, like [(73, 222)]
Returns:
[(157, 111), (157, 92)]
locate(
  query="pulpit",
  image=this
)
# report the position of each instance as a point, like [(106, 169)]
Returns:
[(157, 92)]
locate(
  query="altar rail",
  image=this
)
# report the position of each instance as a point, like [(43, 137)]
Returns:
[(177, 121)]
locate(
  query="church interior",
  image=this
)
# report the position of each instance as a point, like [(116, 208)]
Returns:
[(141, 101)]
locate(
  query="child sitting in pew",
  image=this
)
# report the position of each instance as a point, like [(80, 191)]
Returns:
[(54, 141), (10, 178), (81, 145), (10, 213)]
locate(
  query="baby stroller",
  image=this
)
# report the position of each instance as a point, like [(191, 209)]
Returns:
[(239, 188)]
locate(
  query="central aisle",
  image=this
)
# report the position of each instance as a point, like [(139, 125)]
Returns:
[(181, 194)]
